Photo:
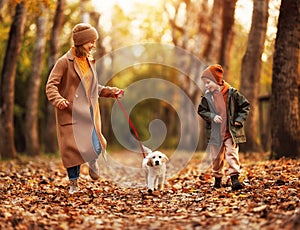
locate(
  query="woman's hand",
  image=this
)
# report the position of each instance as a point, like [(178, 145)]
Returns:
[(119, 93), (64, 104)]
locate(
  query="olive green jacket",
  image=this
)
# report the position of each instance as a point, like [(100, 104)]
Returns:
[(238, 108)]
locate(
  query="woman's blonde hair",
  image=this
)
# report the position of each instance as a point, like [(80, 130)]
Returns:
[(80, 51)]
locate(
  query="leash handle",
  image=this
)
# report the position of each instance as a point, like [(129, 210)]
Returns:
[(131, 125)]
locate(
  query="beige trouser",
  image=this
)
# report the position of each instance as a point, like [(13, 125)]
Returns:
[(229, 152)]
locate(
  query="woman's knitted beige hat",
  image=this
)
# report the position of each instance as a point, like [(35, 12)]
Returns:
[(84, 33)]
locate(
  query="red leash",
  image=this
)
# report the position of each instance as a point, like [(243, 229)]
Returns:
[(131, 125)]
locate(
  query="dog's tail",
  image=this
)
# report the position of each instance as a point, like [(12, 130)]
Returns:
[(147, 150)]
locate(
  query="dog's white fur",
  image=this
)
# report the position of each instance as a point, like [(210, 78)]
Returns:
[(154, 166)]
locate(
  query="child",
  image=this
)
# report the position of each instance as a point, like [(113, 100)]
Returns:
[(225, 110)]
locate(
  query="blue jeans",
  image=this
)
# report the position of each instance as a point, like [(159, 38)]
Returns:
[(95, 138), (73, 172), (96, 142)]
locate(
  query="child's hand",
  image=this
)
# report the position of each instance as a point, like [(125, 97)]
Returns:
[(237, 124), (218, 119)]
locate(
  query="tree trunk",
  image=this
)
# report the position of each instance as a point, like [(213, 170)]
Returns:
[(285, 92), (203, 27), (212, 50), (251, 68), (227, 35), (95, 17), (2, 4), (31, 123), (7, 94), (50, 131)]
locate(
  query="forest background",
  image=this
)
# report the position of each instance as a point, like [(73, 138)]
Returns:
[(257, 43)]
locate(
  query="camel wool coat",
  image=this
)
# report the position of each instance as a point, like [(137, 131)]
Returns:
[(76, 123)]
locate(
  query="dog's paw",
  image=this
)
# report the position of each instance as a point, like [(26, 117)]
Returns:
[(150, 190)]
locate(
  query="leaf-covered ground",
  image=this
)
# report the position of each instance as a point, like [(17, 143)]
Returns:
[(34, 195)]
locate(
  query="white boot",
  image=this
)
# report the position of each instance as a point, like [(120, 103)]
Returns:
[(73, 186), (94, 169)]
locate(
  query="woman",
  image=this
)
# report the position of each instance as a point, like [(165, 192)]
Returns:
[(73, 90)]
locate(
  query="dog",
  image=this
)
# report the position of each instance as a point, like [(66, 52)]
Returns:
[(154, 166)]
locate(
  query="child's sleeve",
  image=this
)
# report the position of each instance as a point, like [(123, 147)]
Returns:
[(243, 108), (204, 111)]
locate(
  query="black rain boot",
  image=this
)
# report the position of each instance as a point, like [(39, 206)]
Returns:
[(236, 184), (218, 181)]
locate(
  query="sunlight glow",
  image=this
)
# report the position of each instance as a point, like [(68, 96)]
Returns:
[(243, 13), (104, 6)]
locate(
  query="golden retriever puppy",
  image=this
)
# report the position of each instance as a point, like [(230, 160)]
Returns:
[(154, 166)]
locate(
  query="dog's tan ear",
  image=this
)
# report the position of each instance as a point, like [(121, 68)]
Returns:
[(150, 162), (165, 159)]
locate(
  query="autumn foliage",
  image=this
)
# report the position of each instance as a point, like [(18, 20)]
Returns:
[(34, 195)]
